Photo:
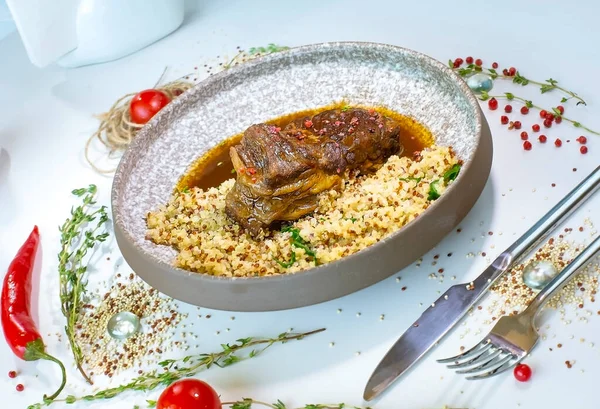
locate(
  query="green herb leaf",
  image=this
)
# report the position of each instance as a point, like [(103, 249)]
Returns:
[(345, 108), (289, 263), (433, 193), (452, 173), (576, 124), (528, 104), (463, 72), (151, 403), (279, 405), (186, 190), (484, 96), (509, 96), (245, 404), (450, 64), (556, 111), (299, 242), (563, 100), (493, 73)]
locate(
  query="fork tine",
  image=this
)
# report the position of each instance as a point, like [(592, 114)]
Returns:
[(485, 362), (476, 364), (467, 354), (499, 367), (497, 371)]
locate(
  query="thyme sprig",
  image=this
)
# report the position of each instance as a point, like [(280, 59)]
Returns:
[(79, 233), (247, 403), (484, 96), (546, 86), (255, 52), (172, 370)]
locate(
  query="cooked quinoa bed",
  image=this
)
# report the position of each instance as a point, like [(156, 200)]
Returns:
[(367, 209)]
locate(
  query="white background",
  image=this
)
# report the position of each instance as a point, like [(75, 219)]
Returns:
[(46, 115)]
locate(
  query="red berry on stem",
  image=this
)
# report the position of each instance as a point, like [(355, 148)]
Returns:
[(524, 136), (517, 124), (493, 104), (550, 116), (558, 143), (558, 119), (582, 140), (542, 138), (12, 374), (543, 113), (512, 71), (548, 123), (583, 149), (508, 108), (561, 109), (505, 72), (503, 119), (469, 60), (20, 388), (535, 127), (478, 62), (494, 65), (527, 145), (524, 110), (522, 372)]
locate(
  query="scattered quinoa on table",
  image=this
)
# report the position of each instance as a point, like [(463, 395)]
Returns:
[(367, 209)]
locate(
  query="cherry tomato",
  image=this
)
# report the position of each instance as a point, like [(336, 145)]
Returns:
[(522, 372), (146, 104), (189, 394)]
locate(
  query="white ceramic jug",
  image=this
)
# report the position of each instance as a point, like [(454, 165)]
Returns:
[(73, 33)]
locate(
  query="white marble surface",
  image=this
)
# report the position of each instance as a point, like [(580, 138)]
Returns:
[(46, 117)]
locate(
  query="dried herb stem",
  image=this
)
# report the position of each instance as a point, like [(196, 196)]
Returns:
[(174, 369), (511, 97), (247, 403), (75, 241), (546, 86)]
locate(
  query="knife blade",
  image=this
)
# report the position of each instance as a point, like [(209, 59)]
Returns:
[(441, 316)]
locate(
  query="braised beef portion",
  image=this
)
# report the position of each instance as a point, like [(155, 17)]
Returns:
[(280, 172)]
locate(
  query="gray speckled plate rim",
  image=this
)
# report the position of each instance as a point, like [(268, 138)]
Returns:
[(261, 60)]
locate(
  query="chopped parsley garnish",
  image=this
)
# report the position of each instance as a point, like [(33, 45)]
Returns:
[(345, 108), (352, 219), (433, 190), (408, 179), (452, 173), (186, 190), (289, 263), (298, 242)]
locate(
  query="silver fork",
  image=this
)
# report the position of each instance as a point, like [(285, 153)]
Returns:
[(513, 337)]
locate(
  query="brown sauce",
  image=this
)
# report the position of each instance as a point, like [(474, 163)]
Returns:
[(215, 167)]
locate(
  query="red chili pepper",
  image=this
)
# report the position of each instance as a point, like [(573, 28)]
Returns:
[(19, 328)]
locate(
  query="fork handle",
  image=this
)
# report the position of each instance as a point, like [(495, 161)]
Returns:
[(563, 277)]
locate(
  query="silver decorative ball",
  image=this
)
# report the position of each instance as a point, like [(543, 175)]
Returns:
[(538, 273)]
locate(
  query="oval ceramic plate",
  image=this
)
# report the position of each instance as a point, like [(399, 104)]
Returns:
[(290, 81)]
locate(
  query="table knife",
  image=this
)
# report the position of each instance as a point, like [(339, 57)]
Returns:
[(443, 314)]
